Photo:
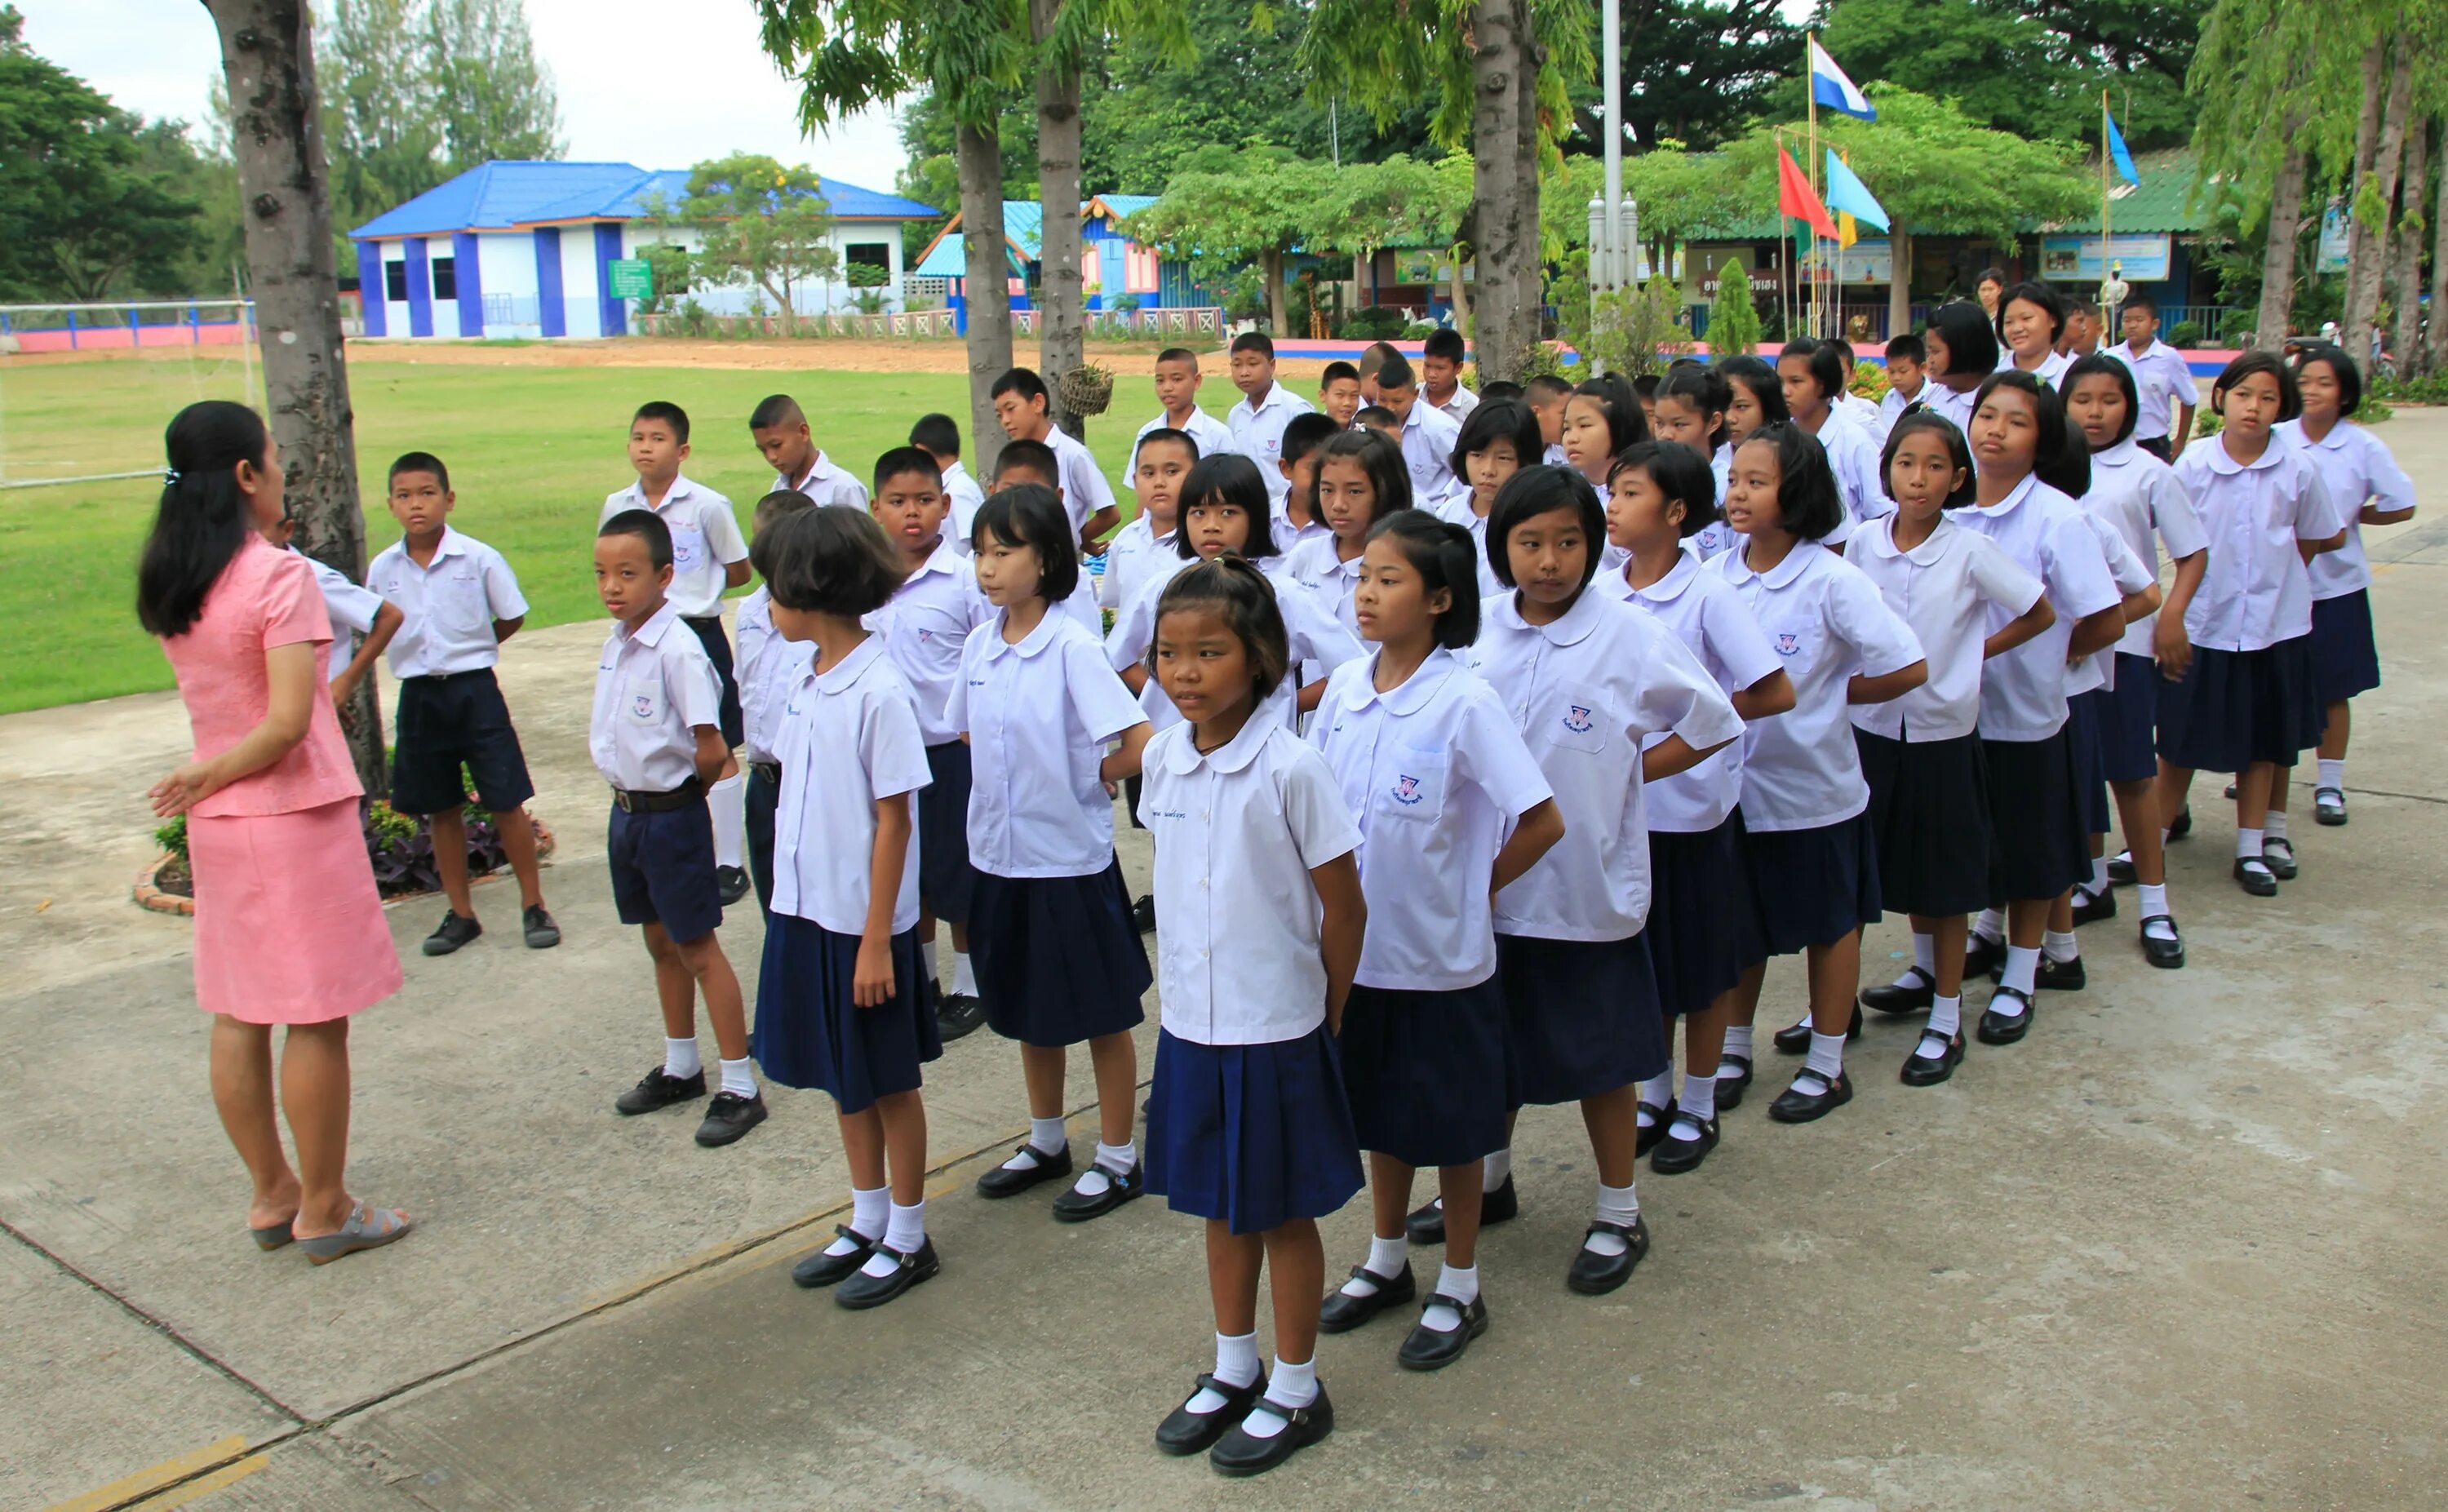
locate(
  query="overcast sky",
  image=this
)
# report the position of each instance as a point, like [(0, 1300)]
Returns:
[(638, 82)]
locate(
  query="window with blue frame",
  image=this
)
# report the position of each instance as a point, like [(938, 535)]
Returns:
[(446, 278), (396, 282)]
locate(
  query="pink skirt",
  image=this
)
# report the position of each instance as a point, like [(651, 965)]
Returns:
[(289, 929)]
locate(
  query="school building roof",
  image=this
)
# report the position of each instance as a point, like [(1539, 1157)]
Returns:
[(2162, 203), (502, 195)]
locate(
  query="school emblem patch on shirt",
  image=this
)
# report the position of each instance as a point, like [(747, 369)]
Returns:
[(1787, 645), (1406, 790), (1576, 718), (644, 706)]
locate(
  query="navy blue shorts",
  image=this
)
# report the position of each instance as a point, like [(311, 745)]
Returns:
[(662, 870), (447, 723), (717, 650)]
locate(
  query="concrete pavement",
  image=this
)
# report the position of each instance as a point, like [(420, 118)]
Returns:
[(2177, 1250)]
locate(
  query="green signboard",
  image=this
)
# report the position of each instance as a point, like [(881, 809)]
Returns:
[(632, 279)]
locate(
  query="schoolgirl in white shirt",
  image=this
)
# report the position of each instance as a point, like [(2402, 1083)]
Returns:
[(1690, 408), (2248, 702), (2021, 450), (1607, 699), (2137, 493), (1499, 438), (769, 667), (1929, 799), (1452, 809), (1058, 958), (1813, 378), (1661, 498), (1962, 345), (1247, 1124), (1602, 418), (1813, 863), (2031, 318), (2366, 486), (841, 1004), (1360, 479), (1158, 463)]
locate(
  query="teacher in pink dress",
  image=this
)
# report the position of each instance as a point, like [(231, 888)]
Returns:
[(289, 929)]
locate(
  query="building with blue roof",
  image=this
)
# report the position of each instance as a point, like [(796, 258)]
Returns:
[(525, 249)]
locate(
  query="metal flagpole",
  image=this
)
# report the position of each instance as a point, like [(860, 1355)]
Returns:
[(1811, 94)]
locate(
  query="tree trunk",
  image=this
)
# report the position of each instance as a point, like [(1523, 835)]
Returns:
[(1270, 267), (980, 155), (1505, 186), (276, 133), (2439, 264), (2409, 281), (2278, 258), (2369, 257), (2366, 141), (1061, 337), (1460, 295), (1899, 279)]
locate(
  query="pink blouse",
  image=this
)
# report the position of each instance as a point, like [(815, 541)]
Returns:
[(264, 598)]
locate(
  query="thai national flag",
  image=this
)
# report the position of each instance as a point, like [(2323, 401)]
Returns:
[(1830, 86)]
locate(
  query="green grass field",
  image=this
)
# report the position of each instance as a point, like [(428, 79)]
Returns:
[(532, 452)]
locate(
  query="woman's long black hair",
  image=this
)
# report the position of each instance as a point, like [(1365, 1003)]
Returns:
[(204, 518)]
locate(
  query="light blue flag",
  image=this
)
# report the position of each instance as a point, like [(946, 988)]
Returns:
[(1849, 196), (2117, 154)]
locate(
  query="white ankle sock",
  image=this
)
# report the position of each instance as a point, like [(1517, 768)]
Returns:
[(1654, 1093), (2248, 845), (867, 1211), (964, 977), (2099, 873), (729, 799), (1824, 1065), (2022, 968), (1294, 1385), (1925, 962), (2154, 905), (1112, 1161), (1945, 1017), (903, 1232), (2333, 774), (1386, 1258), (1461, 1283), (1697, 1104), (1237, 1364), (2273, 825), (1495, 1170), (1617, 1204), (2060, 947), (1991, 926), (926, 958), (739, 1077), (1047, 1137), (681, 1060), (1738, 1042)]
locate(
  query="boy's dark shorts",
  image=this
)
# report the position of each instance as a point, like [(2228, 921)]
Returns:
[(717, 650), (445, 721), (662, 870)]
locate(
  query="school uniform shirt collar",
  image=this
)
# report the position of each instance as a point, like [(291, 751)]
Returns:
[(452, 544), (2223, 461), (1027, 646), (1572, 627), (2011, 502), (1678, 578), (820, 467), (2118, 455), (681, 488), (1416, 690), (1880, 538), (1781, 575), (651, 632), (1185, 758), (843, 674), (1274, 392), (2335, 441), (944, 559)]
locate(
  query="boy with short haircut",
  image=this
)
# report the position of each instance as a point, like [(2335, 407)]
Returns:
[(1372, 359), (1381, 420), (1441, 360), (939, 436), (1302, 439), (1906, 357), (924, 628), (1177, 379), (709, 556), (779, 427), (1427, 435), (1162, 460), (1023, 405), (1338, 393), (2162, 377), (769, 668), (655, 734), (1547, 395), (1257, 422), (458, 601), (1035, 462), (2081, 337), (1499, 389), (362, 620)]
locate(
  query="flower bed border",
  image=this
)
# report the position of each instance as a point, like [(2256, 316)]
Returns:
[(152, 898)]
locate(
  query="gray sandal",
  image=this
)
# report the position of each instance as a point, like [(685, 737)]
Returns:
[(367, 1229), (274, 1235)]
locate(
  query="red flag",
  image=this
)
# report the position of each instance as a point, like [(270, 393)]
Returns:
[(1794, 197)]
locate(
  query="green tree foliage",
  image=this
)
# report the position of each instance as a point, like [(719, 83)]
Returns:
[(1235, 209), (762, 225), (1695, 71), (1734, 319), (493, 99)]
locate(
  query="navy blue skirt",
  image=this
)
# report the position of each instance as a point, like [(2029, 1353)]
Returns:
[(1057, 958), (1930, 815), (2129, 719), (2346, 653), (809, 1031), (1255, 1136), (2236, 708), (2038, 841), (2090, 762), (1702, 930), (1580, 1018), (1813, 887), (947, 882), (1424, 1072)]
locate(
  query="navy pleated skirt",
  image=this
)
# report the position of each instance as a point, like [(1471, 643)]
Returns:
[(1580, 1016), (2346, 653), (2038, 841), (1253, 1135), (946, 879), (1424, 1072), (1057, 958), (810, 1032), (1703, 930), (2129, 721), (2090, 762), (1930, 815), (1813, 887), (2236, 708)]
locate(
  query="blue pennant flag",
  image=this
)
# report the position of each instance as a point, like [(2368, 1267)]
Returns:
[(2117, 154), (1850, 195)]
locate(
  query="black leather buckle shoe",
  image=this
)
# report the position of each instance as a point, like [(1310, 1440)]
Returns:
[(1429, 1350), (817, 1269), (1341, 1311), (1902, 997), (1928, 1071), (1076, 1206), (864, 1291), (1596, 1275), (1796, 1106), (1187, 1432), (2168, 954), (1238, 1453), (2006, 1028), (1006, 1181), (1675, 1154)]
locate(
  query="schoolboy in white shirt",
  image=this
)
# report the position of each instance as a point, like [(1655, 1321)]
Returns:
[(779, 427), (1906, 357), (1158, 463), (1257, 422), (2166, 382), (939, 436), (1427, 436), (770, 668), (1177, 394), (1024, 407), (1035, 462), (1440, 360), (362, 623)]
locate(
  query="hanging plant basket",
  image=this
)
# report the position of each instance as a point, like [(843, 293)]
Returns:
[(1087, 390)]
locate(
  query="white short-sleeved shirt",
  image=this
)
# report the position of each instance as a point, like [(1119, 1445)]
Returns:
[(1208, 433), (1436, 774), (967, 496), (768, 668), (1866, 413), (2051, 371), (924, 628), (1456, 510), (1854, 458), (1825, 622), (826, 483), (705, 540), (1588, 693), (2130, 575), (2139, 494), (1037, 715), (1553, 456), (2257, 591), (1942, 589), (1457, 409), (1315, 567), (1701, 609), (1237, 831), (1892, 405), (852, 719), (447, 606), (2358, 468), (1319, 642), (1429, 437), (655, 688), (2164, 380), (2023, 692), (1084, 488), (1131, 554), (1946, 401), (352, 608), (1259, 434)]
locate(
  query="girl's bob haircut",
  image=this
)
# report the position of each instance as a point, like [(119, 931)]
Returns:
[(1758, 377), (1824, 364), (1227, 477), (1497, 420), (1807, 504), (1443, 554), (828, 560), (2062, 459), (1959, 453), (2100, 365), (2350, 378), (1239, 595), (1389, 478), (1971, 341), (1705, 389), (1545, 490), (1030, 514), (1627, 422), (2047, 299), (1682, 474), (2291, 399)]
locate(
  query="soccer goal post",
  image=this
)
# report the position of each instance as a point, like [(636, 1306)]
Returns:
[(183, 350)]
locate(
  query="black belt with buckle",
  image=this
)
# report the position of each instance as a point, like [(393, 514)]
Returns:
[(691, 791)]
